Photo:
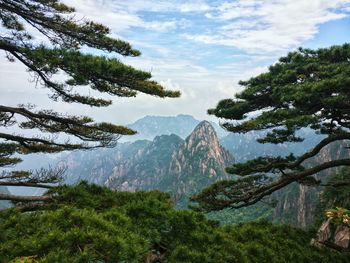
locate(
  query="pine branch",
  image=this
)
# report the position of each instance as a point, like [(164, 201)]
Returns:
[(21, 198), (60, 53), (81, 127), (28, 207), (281, 164), (66, 30), (235, 195), (318, 148)]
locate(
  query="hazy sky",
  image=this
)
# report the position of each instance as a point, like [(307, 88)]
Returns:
[(199, 47)]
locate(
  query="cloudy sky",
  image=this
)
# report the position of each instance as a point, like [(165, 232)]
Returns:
[(199, 47)]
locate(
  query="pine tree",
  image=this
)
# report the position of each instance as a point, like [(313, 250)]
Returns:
[(62, 53), (307, 88)]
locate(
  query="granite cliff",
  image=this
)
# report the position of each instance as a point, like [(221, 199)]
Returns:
[(175, 165)]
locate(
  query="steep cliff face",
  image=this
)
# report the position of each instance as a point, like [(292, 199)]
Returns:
[(97, 166), (201, 160), (297, 203), (175, 165), (147, 169)]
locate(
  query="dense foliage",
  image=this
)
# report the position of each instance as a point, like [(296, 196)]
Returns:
[(337, 190), (256, 212), (339, 216), (94, 224), (52, 43), (336, 193), (306, 88)]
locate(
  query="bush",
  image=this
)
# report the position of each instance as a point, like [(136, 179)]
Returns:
[(88, 223)]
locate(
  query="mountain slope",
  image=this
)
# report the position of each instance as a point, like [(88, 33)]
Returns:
[(97, 166), (173, 165), (200, 161), (182, 125), (146, 169)]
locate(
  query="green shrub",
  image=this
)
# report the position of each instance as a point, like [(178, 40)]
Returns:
[(87, 223)]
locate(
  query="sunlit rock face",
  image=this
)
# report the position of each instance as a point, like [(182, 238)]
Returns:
[(199, 161), (185, 165), (175, 165)]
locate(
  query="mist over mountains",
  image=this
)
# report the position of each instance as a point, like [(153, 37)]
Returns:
[(174, 165), (167, 163), (180, 155), (83, 164), (182, 125)]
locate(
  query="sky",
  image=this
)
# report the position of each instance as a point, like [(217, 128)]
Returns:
[(202, 48)]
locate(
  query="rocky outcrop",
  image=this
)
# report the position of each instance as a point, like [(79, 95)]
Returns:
[(336, 237), (168, 163), (200, 161), (146, 169), (175, 165)]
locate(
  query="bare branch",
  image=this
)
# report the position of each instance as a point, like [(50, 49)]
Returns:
[(25, 198), (318, 148), (36, 185), (231, 194)]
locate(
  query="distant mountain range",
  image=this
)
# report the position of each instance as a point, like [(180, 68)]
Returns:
[(167, 163), (174, 165), (182, 125), (243, 146), (182, 155)]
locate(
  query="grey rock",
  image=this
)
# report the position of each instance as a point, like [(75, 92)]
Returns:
[(342, 236)]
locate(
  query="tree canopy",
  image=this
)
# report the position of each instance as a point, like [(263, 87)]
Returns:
[(89, 223), (50, 41), (305, 89)]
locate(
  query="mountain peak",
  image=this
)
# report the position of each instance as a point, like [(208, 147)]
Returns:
[(205, 125), (200, 159), (203, 145), (203, 131)]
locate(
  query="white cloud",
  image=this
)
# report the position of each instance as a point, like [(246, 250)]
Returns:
[(204, 75), (106, 12), (270, 26), (121, 16), (198, 6)]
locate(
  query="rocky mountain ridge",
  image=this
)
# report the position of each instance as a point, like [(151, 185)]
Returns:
[(180, 164), (182, 125), (174, 165), (168, 163)]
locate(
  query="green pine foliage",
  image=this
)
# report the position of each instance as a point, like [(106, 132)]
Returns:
[(88, 223), (337, 190), (77, 61), (259, 211), (305, 89), (336, 194)]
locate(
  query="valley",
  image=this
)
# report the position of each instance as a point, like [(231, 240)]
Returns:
[(182, 155)]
